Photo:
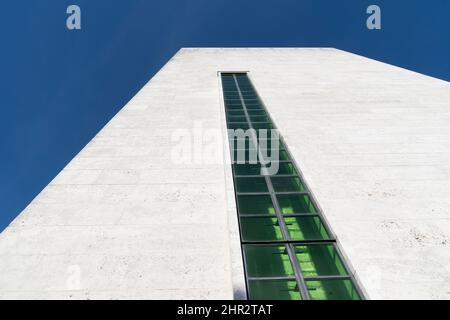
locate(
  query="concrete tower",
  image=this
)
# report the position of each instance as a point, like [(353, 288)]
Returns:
[(134, 215)]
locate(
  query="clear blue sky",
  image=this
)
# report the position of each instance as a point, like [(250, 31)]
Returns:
[(59, 87)]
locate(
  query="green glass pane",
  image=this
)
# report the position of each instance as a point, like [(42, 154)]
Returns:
[(235, 112), (240, 125), (319, 260), (252, 204), (256, 113), (260, 229), (284, 184), (252, 104), (251, 100), (247, 169), (259, 118), (251, 185), (306, 228), (283, 155), (295, 203), (236, 118), (286, 168), (332, 290), (274, 155), (238, 115), (267, 261), (253, 108), (266, 125), (234, 106), (273, 290)]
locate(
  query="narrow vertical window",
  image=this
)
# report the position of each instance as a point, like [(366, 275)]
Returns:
[(289, 251)]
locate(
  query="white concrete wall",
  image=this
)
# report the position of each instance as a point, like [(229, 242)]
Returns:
[(372, 140), (131, 221)]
